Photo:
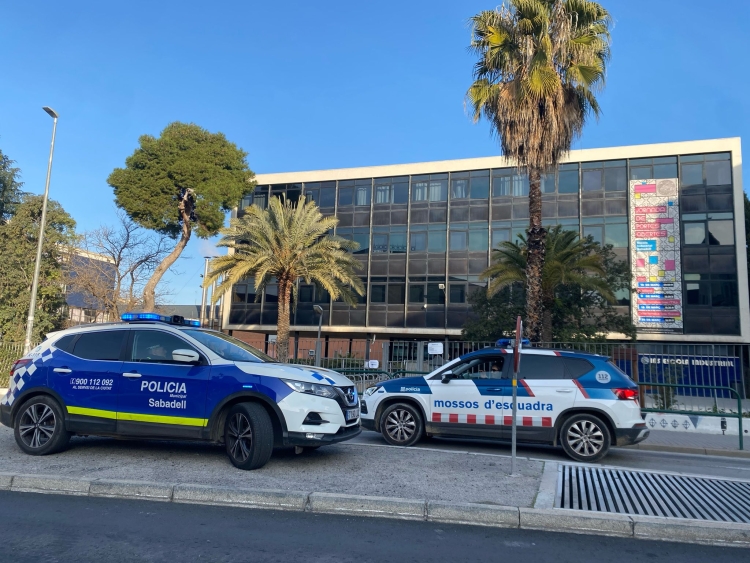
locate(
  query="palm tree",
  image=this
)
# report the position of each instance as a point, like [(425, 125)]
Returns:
[(289, 242), (569, 261), (540, 63)]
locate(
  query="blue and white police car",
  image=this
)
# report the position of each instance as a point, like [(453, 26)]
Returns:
[(152, 376), (580, 401)]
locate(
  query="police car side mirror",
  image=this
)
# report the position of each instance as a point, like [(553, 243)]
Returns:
[(185, 356), (447, 376)]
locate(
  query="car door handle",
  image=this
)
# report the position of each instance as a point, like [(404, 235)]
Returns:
[(495, 389), (62, 370), (131, 375), (564, 390)]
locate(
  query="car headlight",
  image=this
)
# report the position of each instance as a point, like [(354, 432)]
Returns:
[(370, 390), (311, 388)]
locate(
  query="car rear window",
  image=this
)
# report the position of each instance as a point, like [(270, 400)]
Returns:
[(105, 345), (66, 343), (577, 367), (535, 366)]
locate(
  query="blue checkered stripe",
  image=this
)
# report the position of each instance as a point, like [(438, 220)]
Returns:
[(22, 375)]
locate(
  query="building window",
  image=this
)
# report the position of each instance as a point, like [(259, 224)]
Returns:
[(436, 241), (480, 185), (567, 178), (459, 188), (418, 242), (458, 240), (379, 243), (713, 229), (377, 293), (458, 293), (362, 195), (396, 294)]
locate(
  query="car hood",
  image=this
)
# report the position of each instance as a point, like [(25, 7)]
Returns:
[(296, 372)]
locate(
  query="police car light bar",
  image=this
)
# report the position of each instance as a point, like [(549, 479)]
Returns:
[(508, 342), (174, 319)]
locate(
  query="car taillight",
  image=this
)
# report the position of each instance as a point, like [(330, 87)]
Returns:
[(626, 394), (19, 364)]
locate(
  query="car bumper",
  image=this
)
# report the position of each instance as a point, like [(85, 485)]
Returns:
[(301, 439), (368, 424), (630, 436), (5, 415)]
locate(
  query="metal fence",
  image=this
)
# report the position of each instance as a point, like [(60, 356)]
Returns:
[(9, 353)]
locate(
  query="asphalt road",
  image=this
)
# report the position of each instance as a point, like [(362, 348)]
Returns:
[(52, 528), (728, 467)]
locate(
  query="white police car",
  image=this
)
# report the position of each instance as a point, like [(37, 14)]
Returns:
[(581, 401), (163, 377)]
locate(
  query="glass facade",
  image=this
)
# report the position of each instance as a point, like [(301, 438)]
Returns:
[(424, 239)]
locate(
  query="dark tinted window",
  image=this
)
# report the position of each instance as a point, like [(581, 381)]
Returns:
[(534, 366), (577, 367), (156, 346), (105, 345), (66, 343)]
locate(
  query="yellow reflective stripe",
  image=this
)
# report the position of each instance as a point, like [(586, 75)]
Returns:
[(182, 421), (178, 420), (92, 412)]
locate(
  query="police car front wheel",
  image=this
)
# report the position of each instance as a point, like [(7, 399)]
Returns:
[(585, 437), (248, 434), (39, 427), (401, 425)]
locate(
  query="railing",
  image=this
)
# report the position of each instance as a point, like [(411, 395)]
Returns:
[(9, 353), (663, 401)]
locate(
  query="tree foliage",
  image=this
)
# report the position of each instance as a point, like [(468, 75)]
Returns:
[(10, 188), (287, 241), (111, 264), (579, 282), (18, 243), (540, 63), (186, 179)]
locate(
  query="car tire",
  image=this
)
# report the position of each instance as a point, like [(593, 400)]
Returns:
[(401, 424), (248, 435), (585, 437), (39, 426)]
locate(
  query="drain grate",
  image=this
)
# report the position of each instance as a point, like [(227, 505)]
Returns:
[(601, 489)]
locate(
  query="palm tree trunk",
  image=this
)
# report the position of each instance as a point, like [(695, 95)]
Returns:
[(282, 329), (535, 259)]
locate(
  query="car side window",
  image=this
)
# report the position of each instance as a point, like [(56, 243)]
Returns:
[(156, 346), (576, 367), (104, 345), (535, 366), (485, 367)]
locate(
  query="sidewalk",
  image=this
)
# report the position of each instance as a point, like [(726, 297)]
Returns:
[(694, 443)]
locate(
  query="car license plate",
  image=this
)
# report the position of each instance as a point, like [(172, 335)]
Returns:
[(352, 414)]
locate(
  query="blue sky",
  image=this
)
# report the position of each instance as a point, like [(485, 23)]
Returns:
[(308, 85)]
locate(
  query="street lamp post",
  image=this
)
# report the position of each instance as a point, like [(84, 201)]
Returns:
[(318, 348), (43, 222)]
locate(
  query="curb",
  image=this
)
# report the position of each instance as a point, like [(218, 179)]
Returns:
[(547, 519), (686, 450)]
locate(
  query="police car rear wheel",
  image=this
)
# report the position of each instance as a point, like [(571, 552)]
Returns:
[(401, 425), (39, 427), (585, 437), (248, 435)]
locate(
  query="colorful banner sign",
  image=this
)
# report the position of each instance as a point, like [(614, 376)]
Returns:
[(655, 257)]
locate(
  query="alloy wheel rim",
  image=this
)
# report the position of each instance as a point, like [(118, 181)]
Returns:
[(400, 425), (240, 437), (37, 425), (585, 438)]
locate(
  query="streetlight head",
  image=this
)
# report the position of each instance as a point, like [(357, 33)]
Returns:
[(318, 309), (50, 111)]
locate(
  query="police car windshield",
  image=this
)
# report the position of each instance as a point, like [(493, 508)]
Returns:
[(228, 347)]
